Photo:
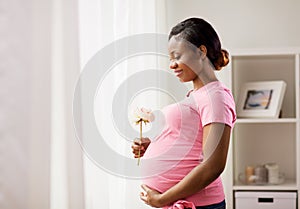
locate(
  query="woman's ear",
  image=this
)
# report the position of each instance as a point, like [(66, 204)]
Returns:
[(203, 50)]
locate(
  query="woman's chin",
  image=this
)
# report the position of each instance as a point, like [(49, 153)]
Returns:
[(182, 80)]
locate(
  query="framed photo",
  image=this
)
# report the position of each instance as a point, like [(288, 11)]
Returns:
[(261, 99)]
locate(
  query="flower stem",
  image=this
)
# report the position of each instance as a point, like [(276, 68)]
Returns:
[(141, 136)]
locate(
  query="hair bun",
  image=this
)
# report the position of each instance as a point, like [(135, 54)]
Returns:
[(222, 60)]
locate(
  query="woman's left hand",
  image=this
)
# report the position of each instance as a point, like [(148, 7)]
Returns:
[(151, 197)]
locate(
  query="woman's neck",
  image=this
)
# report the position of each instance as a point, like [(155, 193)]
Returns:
[(203, 79), (205, 75)]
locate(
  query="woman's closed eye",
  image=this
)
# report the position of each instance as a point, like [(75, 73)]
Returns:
[(175, 58)]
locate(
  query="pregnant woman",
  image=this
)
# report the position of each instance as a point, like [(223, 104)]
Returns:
[(190, 153)]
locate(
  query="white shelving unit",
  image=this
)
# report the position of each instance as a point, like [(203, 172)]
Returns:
[(265, 140)]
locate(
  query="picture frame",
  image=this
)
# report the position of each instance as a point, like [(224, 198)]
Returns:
[(261, 99)]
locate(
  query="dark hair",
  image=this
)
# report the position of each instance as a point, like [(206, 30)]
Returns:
[(199, 32)]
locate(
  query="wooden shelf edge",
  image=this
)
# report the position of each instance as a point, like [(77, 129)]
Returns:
[(288, 185), (266, 51), (266, 120)]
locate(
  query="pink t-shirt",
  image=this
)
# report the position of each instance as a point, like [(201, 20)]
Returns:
[(178, 148)]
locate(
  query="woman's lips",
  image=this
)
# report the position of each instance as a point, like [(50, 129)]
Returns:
[(178, 72)]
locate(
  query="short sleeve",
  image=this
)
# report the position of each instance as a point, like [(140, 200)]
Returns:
[(218, 106)]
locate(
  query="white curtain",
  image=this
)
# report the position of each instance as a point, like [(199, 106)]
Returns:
[(103, 22), (66, 168), (40, 159), (77, 34), (44, 44)]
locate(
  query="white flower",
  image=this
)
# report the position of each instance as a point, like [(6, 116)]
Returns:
[(143, 114)]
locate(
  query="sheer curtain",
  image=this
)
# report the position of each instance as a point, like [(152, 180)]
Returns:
[(100, 23), (42, 164), (66, 168)]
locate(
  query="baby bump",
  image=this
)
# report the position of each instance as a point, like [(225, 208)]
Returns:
[(166, 169)]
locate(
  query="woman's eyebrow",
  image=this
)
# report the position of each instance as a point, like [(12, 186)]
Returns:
[(172, 52)]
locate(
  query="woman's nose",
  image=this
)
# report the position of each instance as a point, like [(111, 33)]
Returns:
[(173, 64)]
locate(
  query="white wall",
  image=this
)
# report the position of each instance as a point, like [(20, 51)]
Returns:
[(14, 87), (24, 104), (244, 24)]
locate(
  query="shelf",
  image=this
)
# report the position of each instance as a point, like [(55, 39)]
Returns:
[(266, 120), (264, 52), (257, 141), (288, 185)]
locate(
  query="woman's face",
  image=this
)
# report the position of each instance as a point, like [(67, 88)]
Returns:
[(184, 59)]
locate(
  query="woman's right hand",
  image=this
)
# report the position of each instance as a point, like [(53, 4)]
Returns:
[(140, 144)]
